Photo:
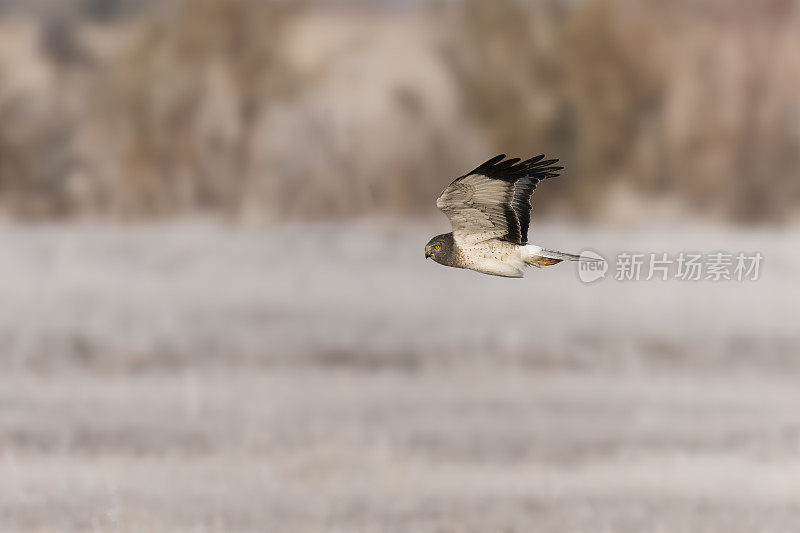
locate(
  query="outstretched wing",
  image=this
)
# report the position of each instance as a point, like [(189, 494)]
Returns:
[(493, 201)]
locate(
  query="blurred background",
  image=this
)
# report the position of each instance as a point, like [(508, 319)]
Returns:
[(214, 310)]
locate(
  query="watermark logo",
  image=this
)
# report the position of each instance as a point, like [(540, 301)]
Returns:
[(592, 266), (683, 266)]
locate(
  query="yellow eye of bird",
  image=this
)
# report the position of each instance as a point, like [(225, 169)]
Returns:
[(437, 246)]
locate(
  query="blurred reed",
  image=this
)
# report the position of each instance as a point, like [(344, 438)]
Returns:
[(278, 109), (686, 100)]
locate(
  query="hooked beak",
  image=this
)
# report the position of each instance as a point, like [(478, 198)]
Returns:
[(427, 253)]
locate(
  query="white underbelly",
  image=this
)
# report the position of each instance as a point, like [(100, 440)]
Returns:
[(497, 258)]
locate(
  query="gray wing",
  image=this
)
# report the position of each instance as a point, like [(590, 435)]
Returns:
[(493, 201), (478, 208)]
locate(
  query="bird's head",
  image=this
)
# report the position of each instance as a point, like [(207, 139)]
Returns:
[(439, 247)]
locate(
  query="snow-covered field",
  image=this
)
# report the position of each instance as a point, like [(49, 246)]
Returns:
[(192, 377)]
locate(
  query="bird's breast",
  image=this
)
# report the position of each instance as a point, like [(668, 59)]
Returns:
[(496, 257)]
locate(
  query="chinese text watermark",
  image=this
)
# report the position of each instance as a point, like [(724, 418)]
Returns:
[(683, 266)]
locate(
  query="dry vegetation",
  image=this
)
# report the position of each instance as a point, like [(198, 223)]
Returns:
[(694, 101), (317, 376), (266, 108)]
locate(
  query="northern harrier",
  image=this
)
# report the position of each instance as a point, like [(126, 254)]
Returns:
[(490, 210)]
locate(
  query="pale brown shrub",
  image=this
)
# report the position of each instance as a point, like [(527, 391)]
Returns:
[(686, 100), (184, 102), (267, 108)]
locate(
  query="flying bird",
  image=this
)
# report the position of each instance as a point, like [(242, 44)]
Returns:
[(490, 211)]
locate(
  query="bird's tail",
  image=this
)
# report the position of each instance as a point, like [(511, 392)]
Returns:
[(540, 257)]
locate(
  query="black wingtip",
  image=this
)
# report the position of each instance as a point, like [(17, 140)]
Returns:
[(487, 165), (504, 169), (493, 161), (533, 160)]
